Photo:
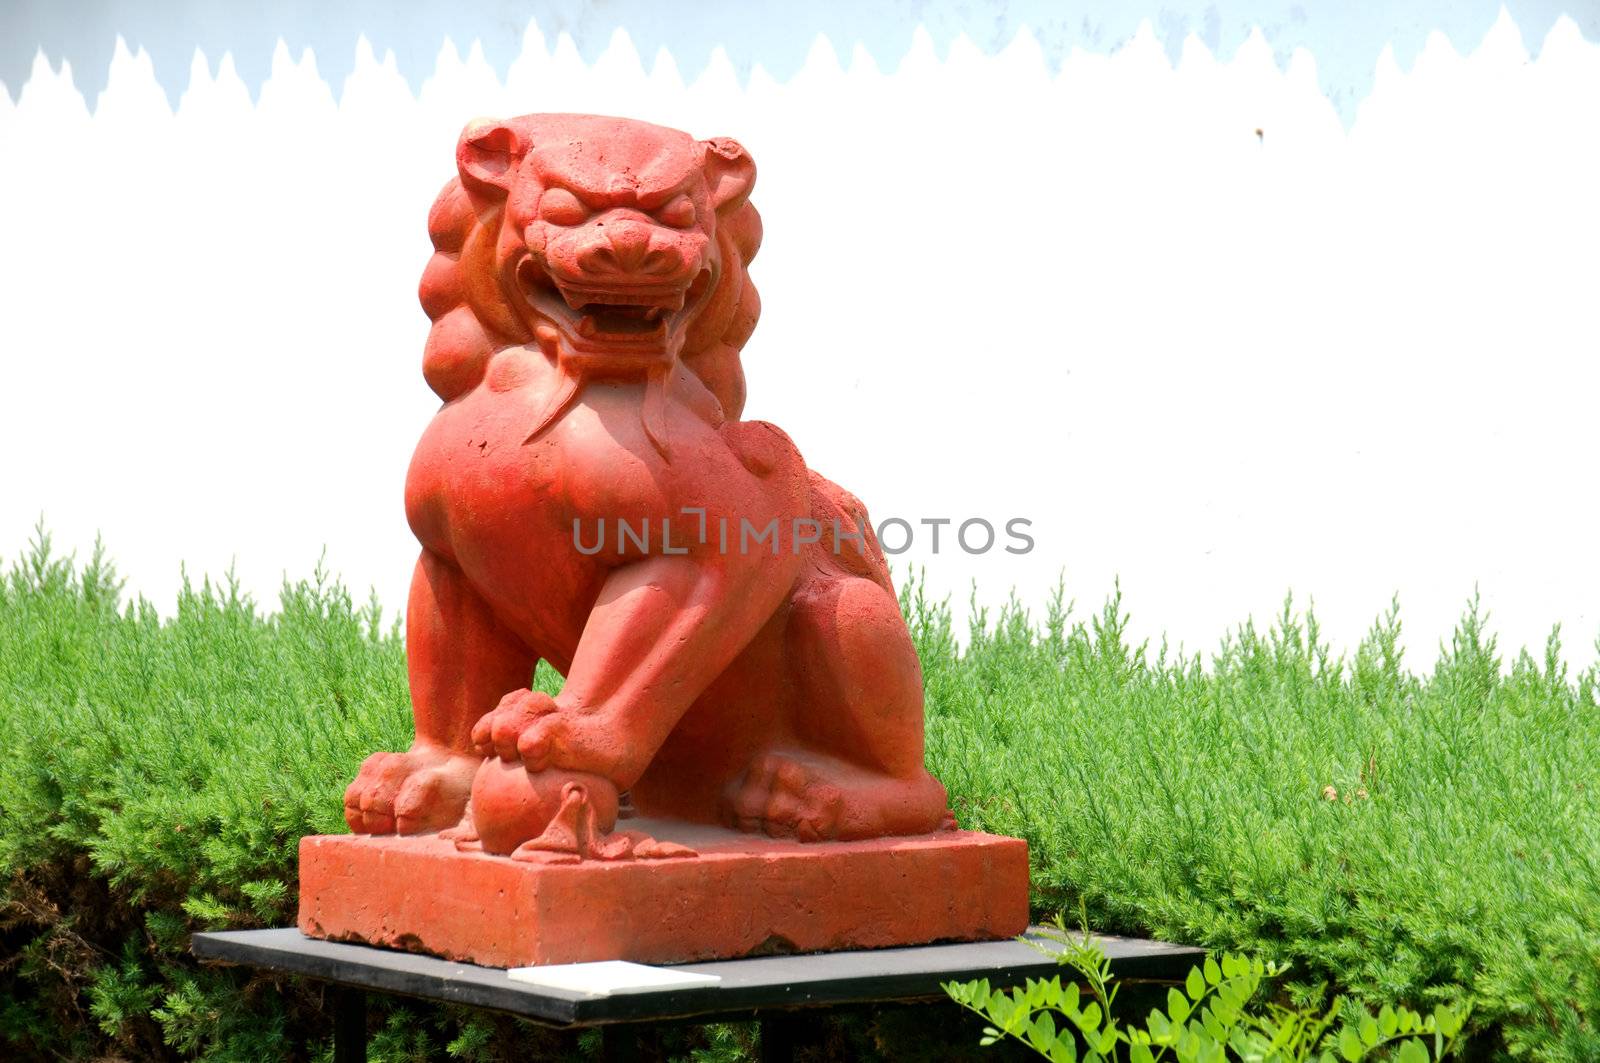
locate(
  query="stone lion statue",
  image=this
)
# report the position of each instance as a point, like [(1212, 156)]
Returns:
[(744, 661)]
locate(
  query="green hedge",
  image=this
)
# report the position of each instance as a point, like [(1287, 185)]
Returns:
[(155, 775)]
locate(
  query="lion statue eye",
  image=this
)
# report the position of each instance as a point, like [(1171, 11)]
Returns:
[(679, 213), (560, 207)]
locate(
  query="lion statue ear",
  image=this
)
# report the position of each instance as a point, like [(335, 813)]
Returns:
[(487, 156), (730, 173)]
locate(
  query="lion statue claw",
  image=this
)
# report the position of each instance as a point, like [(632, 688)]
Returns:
[(590, 298)]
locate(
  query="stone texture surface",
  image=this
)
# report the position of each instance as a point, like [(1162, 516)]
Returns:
[(738, 655), (736, 666), (740, 896)]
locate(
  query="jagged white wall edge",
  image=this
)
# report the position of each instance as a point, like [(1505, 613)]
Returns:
[(1350, 363)]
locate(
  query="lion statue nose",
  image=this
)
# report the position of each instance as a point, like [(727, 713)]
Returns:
[(630, 242), (624, 247)]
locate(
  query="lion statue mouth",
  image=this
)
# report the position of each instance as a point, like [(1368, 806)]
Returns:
[(635, 322), (610, 330)]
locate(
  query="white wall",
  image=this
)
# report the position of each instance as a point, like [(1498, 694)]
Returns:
[(1353, 357)]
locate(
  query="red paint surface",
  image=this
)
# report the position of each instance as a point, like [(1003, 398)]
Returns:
[(741, 895), (590, 298)]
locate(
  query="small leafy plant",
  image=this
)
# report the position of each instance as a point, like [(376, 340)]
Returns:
[(1213, 1018)]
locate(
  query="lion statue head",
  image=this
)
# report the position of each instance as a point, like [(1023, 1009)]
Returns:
[(614, 254)]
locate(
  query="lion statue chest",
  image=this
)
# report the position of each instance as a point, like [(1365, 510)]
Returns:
[(537, 525)]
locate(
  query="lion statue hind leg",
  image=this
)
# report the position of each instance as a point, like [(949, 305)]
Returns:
[(855, 769)]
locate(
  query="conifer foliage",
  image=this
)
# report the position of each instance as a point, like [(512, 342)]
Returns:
[(1394, 838)]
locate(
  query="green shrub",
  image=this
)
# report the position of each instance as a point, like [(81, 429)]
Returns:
[(1396, 837), (157, 773), (155, 779)]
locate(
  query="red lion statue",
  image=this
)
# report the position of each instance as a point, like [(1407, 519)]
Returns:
[(589, 299)]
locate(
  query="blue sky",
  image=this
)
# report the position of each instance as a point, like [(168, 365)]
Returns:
[(1346, 39)]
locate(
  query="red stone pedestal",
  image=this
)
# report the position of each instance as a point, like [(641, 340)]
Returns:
[(741, 895)]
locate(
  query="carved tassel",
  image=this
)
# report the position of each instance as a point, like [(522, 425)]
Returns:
[(558, 405), (653, 416)]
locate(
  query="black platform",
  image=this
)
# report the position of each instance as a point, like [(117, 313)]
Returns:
[(751, 987)]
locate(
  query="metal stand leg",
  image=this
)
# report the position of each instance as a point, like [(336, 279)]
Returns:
[(349, 1024), (619, 1043), (780, 1033)]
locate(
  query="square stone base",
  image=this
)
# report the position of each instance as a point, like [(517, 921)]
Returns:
[(742, 895)]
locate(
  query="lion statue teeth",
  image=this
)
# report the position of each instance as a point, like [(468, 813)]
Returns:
[(590, 298)]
